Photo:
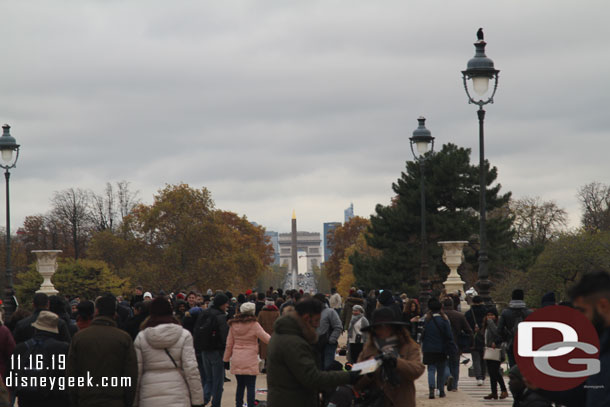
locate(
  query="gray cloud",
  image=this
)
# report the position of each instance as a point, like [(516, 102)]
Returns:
[(277, 105)]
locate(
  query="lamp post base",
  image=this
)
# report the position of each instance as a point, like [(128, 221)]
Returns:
[(483, 287)]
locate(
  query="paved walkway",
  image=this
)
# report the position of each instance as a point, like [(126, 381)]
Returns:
[(468, 395)]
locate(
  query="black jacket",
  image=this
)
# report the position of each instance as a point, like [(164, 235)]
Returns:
[(24, 329), (223, 327), (54, 365)]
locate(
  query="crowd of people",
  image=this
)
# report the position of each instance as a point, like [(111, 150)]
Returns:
[(174, 349)]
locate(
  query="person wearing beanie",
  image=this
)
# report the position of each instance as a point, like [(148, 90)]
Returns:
[(437, 331), (210, 337), (45, 340), (510, 318), (165, 354), (102, 350), (548, 299), (242, 351)]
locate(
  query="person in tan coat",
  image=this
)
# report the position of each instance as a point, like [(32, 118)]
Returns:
[(389, 336), (267, 318)]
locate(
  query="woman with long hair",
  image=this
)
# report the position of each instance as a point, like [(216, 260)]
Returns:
[(389, 338), (490, 332), (411, 314), (167, 368), (242, 351), (436, 331)]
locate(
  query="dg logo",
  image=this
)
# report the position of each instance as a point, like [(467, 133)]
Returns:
[(557, 348)]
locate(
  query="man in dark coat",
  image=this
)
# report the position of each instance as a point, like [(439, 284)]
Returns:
[(458, 325), (475, 316), (293, 376), (212, 352), (510, 318), (52, 353), (24, 330), (103, 351)]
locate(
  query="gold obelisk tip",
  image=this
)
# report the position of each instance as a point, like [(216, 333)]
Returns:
[(294, 214)]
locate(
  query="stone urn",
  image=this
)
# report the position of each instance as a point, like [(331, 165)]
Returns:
[(46, 265), (453, 256)]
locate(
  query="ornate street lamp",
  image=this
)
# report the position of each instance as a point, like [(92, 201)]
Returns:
[(479, 72), (9, 154), (422, 143)]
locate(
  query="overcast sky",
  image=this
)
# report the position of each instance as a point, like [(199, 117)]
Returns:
[(306, 105)]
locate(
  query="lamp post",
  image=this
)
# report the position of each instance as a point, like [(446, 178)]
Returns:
[(480, 70), (9, 153), (424, 144)]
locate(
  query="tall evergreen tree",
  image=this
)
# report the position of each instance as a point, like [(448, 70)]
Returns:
[(452, 213)]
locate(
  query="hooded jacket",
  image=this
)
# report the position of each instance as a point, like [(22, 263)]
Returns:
[(242, 344), (160, 383), (509, 318), (293, 376)]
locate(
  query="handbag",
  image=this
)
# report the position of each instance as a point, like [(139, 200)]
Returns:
[(449, 346), (492, 354)]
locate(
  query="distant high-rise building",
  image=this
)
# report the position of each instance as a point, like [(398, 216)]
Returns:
[(349, 212), (328, 250), (274, 238)]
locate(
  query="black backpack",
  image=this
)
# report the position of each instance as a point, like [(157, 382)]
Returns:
[(206, 334), (35, 364)]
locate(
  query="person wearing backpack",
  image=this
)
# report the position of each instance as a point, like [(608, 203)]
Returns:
[(510, 318), (210, 337), (53, 365), (475, 317)]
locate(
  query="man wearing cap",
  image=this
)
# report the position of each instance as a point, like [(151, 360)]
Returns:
[(53, 351), (213, 348), (103, 350)]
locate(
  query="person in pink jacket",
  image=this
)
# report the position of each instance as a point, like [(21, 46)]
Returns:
[(242, 351)]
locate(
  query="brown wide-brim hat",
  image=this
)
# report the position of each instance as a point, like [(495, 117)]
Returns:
[(47, 321), (384, 316)]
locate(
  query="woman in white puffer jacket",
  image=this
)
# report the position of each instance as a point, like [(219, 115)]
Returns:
[(167, 368)]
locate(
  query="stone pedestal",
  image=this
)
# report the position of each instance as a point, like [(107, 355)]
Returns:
[(46, 265), (453, 257)]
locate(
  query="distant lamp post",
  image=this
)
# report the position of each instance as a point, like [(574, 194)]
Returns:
[(9, 154), (480, 71), (422, 143)]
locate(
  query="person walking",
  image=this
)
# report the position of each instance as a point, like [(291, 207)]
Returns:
[(492, 340), (389, 338), (346, 313), (101, 351), (335, 301), (242, 351), (210, 334), (167, 369), (52, 364), (329, 331), (459, 327), (356, 337), (7, 346), (475, 317), (510, 318), (293, 376), (24, 330), (266, 318), (434, 337), (411, 315)]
